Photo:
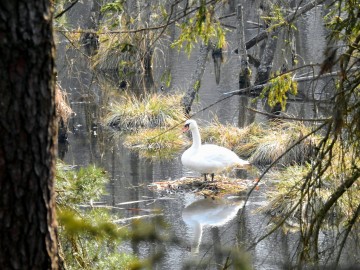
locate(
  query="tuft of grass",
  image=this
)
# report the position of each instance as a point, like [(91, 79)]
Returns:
[(241, 141), (155, 143), (150, 111), (263, 145), (281, 136), (287, 190)]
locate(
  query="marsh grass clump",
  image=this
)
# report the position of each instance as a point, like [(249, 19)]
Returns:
[(288, 191), (242, 141), (149, 111), (263, 145), (156, 143), (285, 192), (281, 136)]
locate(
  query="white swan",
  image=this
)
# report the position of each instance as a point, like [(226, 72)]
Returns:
[(208, 158)]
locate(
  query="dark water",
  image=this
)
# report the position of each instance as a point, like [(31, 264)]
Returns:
[(191, 217)]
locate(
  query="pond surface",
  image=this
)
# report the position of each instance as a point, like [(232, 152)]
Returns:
[(206, 229)]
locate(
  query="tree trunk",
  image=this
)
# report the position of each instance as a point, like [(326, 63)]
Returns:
[(245, 72), (195, 81), (90, 41), (27, 136)]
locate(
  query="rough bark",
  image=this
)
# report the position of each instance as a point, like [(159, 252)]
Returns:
[(90, 40), (245, 72), (267, 59), (27, 136)]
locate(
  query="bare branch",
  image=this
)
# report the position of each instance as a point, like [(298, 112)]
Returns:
[(73, 3), (264, 34)]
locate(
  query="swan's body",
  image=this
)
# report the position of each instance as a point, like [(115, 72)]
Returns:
[(208, 158)]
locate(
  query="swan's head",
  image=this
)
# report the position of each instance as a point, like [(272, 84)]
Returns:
[(190, 125)]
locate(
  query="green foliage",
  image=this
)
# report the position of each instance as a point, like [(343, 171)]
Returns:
[(325, 192), (89, 239), (343, 20), (166, 78), (116, 6), (75, 187), (93, 224), (344, 23), (289, 189), (277, 19), (279, 87), (202, 26), (197, 85)]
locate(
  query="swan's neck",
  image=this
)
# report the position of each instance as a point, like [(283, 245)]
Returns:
[(196, 139)]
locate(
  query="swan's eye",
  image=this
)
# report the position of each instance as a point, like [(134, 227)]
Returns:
[(186, 125)]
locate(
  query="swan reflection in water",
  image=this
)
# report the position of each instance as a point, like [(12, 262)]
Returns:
[(208, 212)]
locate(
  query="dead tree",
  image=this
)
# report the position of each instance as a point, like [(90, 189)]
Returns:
[(195, 81), (245, 72)]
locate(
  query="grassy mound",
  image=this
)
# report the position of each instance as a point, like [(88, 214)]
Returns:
[(288, 190), (241, 141), (263, 145), (274, 141), (148, 122), (150, 111), (156, 143)]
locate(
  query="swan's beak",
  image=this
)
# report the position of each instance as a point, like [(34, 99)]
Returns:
[(185, 128)]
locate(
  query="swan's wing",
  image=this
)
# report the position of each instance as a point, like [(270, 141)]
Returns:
[(211, 158), (215, 153)]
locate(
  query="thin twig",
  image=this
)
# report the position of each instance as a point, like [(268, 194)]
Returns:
[(66, 9), (282, 155), (289, 118)]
